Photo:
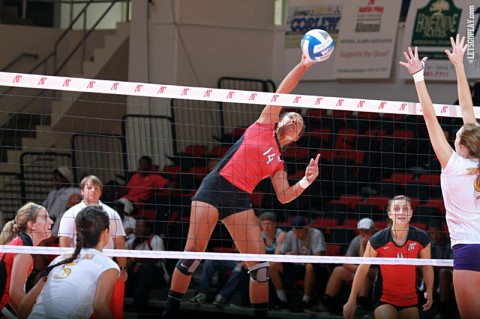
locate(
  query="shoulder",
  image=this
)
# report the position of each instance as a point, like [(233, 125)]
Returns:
[(380, 238), (314, 231), (418, 235)]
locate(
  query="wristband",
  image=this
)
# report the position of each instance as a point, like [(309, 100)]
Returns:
[(418, 76), (304, 183), (123, 268)]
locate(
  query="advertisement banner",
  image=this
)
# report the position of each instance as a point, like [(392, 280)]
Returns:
[(429, 26), (303, 16), (366, 40)]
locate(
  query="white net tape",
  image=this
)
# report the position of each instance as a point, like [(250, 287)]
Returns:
[(235, 256), (45, 82)]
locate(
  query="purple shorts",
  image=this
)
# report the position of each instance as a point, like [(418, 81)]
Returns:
[(466, 257)]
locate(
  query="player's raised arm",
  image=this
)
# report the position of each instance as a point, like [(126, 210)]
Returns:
[(271, 113), (456, 56)]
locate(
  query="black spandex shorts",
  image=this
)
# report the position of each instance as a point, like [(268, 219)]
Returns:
[(223, 195), (379, 303)]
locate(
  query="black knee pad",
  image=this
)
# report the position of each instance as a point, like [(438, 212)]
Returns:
[(188, 266), (259, 272)]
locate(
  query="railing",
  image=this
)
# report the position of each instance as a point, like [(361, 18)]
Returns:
[(52, 57), (18, 58)]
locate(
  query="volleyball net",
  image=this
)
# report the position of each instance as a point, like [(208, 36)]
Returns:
[(371, 150)]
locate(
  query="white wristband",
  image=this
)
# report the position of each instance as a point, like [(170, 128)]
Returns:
[(418, 76), (304, 183)]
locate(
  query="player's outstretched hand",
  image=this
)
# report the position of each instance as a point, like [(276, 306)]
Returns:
[(458, 50), (413, 64)]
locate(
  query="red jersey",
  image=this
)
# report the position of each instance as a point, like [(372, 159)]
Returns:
[(141, 188), (8, 261), (398, 282), (255, 156)]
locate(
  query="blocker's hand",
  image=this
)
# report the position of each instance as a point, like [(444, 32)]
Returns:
[(413, 64)]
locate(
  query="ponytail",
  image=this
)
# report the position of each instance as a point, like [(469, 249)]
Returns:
[(89, 223)]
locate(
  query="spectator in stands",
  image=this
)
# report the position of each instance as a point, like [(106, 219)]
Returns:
[(346, 272), (91, 188), (79, 286), (30, 227), (301, 240), (273, 236), (441, 249), (225, 293), (57, 199), (398, 296), (141, 186), (127, 220), (145, 273)]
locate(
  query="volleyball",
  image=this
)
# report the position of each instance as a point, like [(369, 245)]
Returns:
[(317, 45)]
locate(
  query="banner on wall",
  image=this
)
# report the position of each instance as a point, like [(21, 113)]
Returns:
[(429, 26), (366, 41), (303, 16)]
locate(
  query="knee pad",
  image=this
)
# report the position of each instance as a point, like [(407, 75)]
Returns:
[(188, 266), (259, 272)]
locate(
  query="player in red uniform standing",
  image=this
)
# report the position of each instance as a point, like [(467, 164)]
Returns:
[(397, 282), (225, 195)]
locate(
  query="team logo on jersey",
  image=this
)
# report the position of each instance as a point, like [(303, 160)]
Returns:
[(411, 246), (476, 186)]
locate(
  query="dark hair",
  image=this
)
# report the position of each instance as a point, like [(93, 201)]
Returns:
[(89, 223), (147, 159), (268, 216)]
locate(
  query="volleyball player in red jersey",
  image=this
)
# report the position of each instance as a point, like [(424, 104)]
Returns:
[(225, 195), (397, 282)]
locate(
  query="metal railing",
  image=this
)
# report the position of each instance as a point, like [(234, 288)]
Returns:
[(17, 59), (53, 55)]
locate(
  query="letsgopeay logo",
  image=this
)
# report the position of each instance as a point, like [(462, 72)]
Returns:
[(435, 23)]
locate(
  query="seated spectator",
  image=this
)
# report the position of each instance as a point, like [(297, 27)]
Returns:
[(301, 240), (225, 293), (145, 273), (142, 184), (346, 272), (57, 199), (127, 220)]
